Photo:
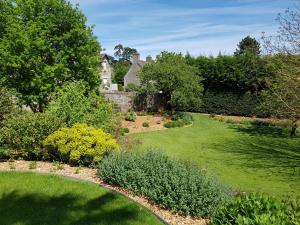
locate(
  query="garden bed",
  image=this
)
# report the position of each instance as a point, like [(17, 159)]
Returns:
[(90, 175), (156, 123)]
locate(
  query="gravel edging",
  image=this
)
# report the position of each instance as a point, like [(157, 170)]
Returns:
[(90, 175)]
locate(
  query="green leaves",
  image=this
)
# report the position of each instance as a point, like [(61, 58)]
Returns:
[(172, 77), (257, 209), (26, 131), (74, 105), (45, 44), (248, 46), (173, 185)]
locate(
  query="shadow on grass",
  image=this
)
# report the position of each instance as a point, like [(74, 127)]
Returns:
[(265, 147), (67, 209), (253, 130)]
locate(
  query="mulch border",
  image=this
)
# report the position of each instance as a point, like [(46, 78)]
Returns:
[(46, 168)]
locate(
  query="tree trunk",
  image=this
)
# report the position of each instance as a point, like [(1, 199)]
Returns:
[(294, 129)]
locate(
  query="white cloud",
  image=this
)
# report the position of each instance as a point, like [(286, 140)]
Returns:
[(197, 39)]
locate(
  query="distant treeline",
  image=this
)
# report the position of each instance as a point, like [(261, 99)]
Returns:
[(232, 84)]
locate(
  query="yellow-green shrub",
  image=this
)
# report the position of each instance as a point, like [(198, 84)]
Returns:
[(80, 143)]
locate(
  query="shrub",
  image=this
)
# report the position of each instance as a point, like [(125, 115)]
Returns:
[(25, 132), (120, 87), (145, 124), (261, 123), (256, 209), (130, 116), (80, 144), (132, 87), (179, 119), (230, 103), (179, 187), (33, 165), (7, 105), (177, 123), (74, 105), (125, 130), (5, 154)]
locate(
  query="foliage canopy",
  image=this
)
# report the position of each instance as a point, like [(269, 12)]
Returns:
[(44, 44), (171, 76)]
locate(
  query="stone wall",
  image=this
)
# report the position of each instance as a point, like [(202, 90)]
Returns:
[(123, 100)]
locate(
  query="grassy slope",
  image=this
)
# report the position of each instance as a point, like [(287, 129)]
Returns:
[(245, 158), (32, 199)]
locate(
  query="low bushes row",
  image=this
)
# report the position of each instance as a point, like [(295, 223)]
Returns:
[(176, 123), (173, 185), (179, 119), (187, 190), (283, 123), (39, 136)]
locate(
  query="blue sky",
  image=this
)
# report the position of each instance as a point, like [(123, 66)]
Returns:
[(204, 27)]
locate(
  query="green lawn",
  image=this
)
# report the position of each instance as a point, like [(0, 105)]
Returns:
[(244, 157), (33, 199)]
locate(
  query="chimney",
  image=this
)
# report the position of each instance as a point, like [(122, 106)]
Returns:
[(135, 57), (149, 59)]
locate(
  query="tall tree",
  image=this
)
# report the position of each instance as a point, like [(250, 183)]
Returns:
[(44, 44), (124, 54), (283, 95), (171, 76), (119, 50), (248, 45)]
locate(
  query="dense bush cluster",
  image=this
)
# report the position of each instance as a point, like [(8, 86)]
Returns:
[(74, 103), (26, 132), (173, 185), (230, 103), (80, 143), (257, 209)]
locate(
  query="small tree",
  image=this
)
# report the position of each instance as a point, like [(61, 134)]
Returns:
[(173, 78), (248, 45), (283, 94), (44, 44), (120, 70)]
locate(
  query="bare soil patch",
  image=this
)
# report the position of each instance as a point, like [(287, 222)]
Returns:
[(156, 122)]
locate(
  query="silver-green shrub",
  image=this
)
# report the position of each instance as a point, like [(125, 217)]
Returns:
[(173, 185)]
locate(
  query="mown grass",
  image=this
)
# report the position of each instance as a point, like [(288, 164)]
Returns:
[(245, 157), (33, 199)]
